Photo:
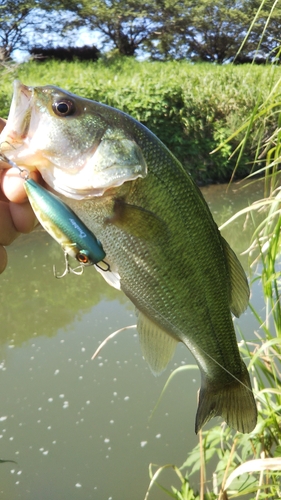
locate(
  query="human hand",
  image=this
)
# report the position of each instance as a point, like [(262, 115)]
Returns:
[(16, 214)]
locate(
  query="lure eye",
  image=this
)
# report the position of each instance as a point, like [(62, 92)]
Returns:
[(83, 258), (64, 107)]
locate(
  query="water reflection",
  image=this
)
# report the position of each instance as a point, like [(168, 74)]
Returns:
[(225, 201), (79, 428), (38, 294)]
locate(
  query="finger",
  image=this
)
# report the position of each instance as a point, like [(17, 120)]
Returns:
[(2, 196), (8, 231), (4, 165), (3, 259), (13, 184), (23, 217), (2, 124)]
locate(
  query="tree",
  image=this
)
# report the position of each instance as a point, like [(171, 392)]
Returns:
[(123, 24), (170, 19), (209, 30), (14, 24), (264, 38), (25, 22), (215, 30)]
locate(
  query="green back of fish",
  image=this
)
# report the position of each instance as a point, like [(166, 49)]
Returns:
[(184, 279)]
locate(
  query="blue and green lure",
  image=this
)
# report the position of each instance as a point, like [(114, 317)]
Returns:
[(65, 227)]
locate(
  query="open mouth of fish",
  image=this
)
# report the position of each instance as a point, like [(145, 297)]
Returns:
[(75, 148), (16, 138)]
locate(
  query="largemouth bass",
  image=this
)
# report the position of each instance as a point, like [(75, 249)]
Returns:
[(164, 249)]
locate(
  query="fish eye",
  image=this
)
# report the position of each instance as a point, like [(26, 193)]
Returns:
[(64, 107)]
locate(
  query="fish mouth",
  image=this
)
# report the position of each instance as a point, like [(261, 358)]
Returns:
[(15, 137), (18, 122)]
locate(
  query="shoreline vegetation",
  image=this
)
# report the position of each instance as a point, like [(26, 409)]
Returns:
[(200, 111)]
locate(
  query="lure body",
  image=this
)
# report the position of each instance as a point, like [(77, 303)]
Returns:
[(64, 225)]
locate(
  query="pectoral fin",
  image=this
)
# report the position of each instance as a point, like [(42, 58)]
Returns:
[(157, 346), (240, 292), (137, 221)]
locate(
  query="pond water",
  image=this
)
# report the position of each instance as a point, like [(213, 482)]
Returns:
[(77, 428)]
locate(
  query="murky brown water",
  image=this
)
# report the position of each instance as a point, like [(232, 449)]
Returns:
[(80, 429)]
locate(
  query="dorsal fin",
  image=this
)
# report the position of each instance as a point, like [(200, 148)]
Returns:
[(240, 292), (157, 345)]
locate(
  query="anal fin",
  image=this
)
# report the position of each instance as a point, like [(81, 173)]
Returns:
[(157, 345)]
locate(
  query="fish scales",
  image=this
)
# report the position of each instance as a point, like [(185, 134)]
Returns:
[(151, 273), (156, 230)]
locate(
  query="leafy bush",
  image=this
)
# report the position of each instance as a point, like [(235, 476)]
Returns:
[(192, 108)]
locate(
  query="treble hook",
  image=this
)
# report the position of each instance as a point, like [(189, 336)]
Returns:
[(68, 269)]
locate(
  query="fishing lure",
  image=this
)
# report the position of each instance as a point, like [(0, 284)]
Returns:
[(65, 227)]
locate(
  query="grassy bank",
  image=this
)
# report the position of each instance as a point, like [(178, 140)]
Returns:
[(192, 108)]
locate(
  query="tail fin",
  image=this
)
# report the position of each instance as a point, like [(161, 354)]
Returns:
[(234, 402)]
